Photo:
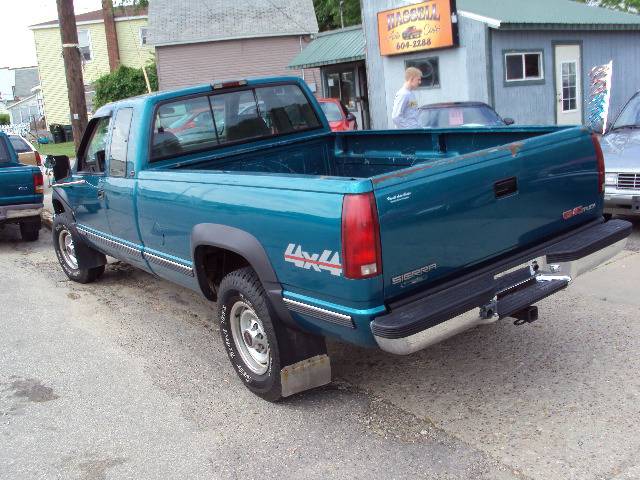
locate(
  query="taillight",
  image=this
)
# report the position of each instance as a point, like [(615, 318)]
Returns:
[(38, 184), (600, 158), (38, 158), (361, 251)]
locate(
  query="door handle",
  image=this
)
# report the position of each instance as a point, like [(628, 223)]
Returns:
[(505, 187)]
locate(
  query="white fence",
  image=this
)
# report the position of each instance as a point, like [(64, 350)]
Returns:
[(16, 129)]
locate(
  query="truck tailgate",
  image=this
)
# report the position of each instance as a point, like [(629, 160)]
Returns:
[(441, 218), (16, 184)]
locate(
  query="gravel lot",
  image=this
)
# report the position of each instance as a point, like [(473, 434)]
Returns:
[(127, 378)]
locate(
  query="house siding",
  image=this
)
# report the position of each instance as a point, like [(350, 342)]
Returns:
[(196, 63), (51, 64), (536, 103), (132, 54)]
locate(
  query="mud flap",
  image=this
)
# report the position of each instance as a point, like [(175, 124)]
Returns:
[(304, 360)]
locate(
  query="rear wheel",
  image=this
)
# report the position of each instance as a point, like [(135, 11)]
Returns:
[(64, 243), (249, 334)]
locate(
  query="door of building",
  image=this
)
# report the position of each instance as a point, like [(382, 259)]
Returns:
[(568, 81), (345, 82)]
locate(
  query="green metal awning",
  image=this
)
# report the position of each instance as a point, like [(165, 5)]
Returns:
[(329, 48)]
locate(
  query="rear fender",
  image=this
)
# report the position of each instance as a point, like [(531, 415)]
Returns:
[(247, 246)]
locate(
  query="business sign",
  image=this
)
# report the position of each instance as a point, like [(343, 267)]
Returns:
[(422, 26), (599, 96)]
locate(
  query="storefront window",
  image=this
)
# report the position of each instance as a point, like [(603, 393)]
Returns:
[(342, 85), (429, 67)]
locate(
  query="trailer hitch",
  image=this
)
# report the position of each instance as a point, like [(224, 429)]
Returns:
[(526, 315)]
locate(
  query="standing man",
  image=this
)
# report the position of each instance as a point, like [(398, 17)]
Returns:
[(405, 106)]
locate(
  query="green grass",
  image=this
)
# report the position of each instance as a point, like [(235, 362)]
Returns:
[(66, 148)]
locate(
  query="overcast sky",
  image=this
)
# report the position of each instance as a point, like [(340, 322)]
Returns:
[(16, 40)]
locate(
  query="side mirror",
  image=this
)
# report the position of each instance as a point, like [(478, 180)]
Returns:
[(49, 162), (509, 121), (351, 117), (100, 158), (61, 166)]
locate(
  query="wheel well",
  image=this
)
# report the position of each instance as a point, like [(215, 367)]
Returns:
[(57, 207), (212, 264)]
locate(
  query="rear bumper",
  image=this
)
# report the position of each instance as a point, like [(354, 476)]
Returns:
[(496, 293), (622, 203), (16, 212)]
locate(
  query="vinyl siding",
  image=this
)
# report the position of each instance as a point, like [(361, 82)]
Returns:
[(192, 64), (132, 54), (51, 64)]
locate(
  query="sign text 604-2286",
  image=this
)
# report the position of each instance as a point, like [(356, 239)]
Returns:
[(425, 42)]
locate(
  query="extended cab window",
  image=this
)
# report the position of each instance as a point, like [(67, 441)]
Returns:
[(182, 127), (120, 142), (92, 160), (4, 152)]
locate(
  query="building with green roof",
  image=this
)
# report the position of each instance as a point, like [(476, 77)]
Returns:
[(530, 60)]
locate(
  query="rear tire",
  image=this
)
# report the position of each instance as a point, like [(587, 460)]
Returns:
[(64, 242), (249, 334), (30, 231)]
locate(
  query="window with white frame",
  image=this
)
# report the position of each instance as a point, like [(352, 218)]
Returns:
[(523, 66), (84, 43), (143, 35)]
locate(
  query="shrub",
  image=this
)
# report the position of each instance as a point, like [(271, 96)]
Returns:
[(4, 119), (125, 82)]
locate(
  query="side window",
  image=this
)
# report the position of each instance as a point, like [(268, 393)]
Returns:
[(120, 142), (237, 117), (181, 127), (286, 109), (4, 152), (92, 160)]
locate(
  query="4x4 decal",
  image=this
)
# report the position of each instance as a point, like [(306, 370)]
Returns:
[(328, 260)]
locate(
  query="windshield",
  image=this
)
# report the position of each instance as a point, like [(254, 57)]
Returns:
[(19, 145), (630, 116), (459, 116), (332, 111)]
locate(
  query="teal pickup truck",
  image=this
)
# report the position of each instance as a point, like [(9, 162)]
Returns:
[(21, 192), (389, 239)]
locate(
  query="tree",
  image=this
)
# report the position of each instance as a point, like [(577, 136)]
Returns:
[(328, 13), (125, 82), (632, 6)]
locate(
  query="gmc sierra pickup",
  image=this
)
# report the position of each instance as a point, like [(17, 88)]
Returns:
[(395, 239)]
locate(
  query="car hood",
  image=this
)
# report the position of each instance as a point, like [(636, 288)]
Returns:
[(621, 151)]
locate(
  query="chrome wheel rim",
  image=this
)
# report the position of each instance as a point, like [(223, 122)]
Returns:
[(249, 337), (68, 249)]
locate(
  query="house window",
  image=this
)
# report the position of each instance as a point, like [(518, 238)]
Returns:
[(523, 66), (143, 35), (84, 43), (430, 69)]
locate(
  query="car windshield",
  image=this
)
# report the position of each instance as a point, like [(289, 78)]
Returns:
[(459, 116), (630, 116), (18, 144), (332, 111)]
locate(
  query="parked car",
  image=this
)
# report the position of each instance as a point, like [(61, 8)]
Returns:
[(461, 114), (339, 117), (411, 32), (27, 153), (391, 239), (621, 148), (21, 188)]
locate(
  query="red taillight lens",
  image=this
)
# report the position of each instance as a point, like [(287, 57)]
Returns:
[(38, 184), (38, 158), (361, 251), (600, 158)]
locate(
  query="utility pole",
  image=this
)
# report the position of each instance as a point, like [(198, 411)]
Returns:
[(341, 17), (73, 68)]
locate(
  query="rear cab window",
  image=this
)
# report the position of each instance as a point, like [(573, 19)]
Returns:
[(208, 121), (19, 145)]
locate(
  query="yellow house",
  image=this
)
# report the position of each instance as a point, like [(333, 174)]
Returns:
[(133, 51)]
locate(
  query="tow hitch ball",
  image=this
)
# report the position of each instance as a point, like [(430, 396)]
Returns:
[(526, 315)]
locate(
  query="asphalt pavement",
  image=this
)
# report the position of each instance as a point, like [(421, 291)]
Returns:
[(127, 378)]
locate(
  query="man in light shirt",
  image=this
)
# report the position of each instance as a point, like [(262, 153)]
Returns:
[(405, 106)]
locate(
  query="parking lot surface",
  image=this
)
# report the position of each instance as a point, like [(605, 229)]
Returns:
[(127, 378)]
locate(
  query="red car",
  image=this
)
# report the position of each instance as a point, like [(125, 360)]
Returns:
[(339, 118)]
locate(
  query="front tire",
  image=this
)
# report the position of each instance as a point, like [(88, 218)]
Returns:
[(249, 334), (64, 243)]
